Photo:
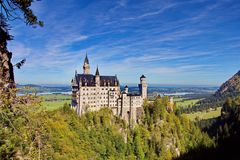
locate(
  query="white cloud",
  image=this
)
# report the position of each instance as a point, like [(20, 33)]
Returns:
[(19, 50), (120, 36), (180, 69), (152, 13)]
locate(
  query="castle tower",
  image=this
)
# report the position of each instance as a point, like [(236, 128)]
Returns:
[(143, 87), (98, 89), (126, 89), (86, 66), (97, 77), (79, 108), (74, 90)]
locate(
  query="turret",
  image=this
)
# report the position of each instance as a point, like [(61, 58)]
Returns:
[(75, 88), (97, 77), (86, 66), (116, 82), (126, 89), (143, 87), (74, 80)]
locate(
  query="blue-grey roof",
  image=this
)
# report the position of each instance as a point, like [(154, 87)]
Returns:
[(97, 72), (89, 80), (142, 76), (133, 94), (86, 59)]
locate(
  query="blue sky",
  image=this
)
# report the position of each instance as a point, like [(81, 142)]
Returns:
[(172, 42)]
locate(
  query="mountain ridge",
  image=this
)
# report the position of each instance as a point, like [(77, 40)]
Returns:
[(230, 88), (231, 85)]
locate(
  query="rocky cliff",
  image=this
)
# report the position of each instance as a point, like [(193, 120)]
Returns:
[(230, 88)]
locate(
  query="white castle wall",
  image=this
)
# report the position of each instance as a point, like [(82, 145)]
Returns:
[(93, 98)]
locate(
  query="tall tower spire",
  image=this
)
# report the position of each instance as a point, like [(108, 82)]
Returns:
[(86, 59), (97, 72), (86, 65), (97, 78)]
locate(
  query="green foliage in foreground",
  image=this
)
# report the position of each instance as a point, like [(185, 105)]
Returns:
[(31, 133), (22, 131), (226, 131), (228, 123)]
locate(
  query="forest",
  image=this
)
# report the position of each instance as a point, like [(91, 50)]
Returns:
[(30, 132), (224, 130)]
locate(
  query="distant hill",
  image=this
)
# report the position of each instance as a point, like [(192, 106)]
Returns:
[(231, 88), (43, 88), (27, 85)]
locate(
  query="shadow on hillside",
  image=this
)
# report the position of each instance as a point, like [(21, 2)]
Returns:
[(229, 149)]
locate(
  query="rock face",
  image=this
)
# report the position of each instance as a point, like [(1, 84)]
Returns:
[(6, 67), (6, 71), (231, 88)]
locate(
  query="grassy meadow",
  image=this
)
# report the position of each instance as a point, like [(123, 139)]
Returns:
[(185, 103), (55, 101), (204, 114)]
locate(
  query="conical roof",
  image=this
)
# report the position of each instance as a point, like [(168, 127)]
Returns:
[(86, 60), (142, 76), (97, 72)]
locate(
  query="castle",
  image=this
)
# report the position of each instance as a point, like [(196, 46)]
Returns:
[(92, 92)]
